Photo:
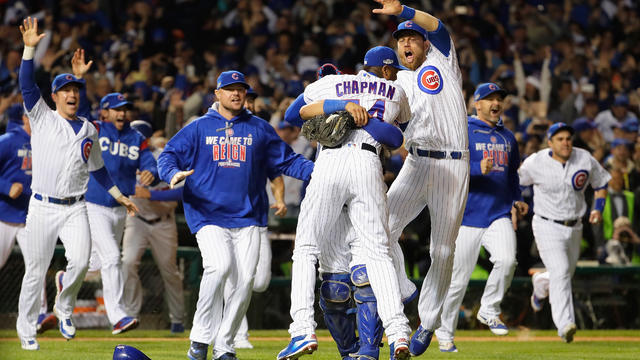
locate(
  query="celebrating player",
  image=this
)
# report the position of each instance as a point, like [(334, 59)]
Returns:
[(559, 176), (228, 153), (350, 175), (436, 171), (63, 156), (493, 190)]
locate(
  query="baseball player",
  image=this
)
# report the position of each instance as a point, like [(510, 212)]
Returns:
[(349, 175), (63, 155), (494, 189), (154, 226), (228, 153), (436, 171), (560, 175)]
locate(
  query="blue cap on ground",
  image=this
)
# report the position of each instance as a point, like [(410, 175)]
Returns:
[(113, 101), (409, 26), (126, 352), (142, 127), (555, 128), (582, 124), (621, 100), (227, 78), (64, 79), (381, 56), (619, 141), (630, 125), (486, 89)]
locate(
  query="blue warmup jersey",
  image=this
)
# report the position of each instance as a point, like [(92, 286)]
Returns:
[(491, 196), (231, 160), (15, 166), (123, 152)]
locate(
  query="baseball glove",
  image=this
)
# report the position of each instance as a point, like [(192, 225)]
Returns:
[(329, 130)]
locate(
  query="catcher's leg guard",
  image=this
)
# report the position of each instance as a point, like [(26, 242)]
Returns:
[(335, 302), (369, 324)]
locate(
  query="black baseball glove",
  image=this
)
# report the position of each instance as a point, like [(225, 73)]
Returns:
[(329, 130)]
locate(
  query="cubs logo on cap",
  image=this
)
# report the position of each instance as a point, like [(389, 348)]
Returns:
[(557, 127), (113, 101), (486, 89), (429, 80), (64, 79), (231, 77), (381, 56), (409, 26)]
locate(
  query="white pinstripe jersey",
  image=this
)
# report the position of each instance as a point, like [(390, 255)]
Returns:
[(435, 95), (384, 99), (62, 159), (558, 190)]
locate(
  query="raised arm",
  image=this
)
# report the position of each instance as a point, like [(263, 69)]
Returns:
[(80, 68), (30, 38), (394, 7)]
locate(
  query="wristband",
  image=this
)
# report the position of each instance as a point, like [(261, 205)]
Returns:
[(115, 192), (331, 106), (599, 205), (407, 12), (27, 53)]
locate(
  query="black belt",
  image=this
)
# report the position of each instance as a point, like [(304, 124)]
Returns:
[(570, 223), (363, 146), (65, 201), (456, 155), (154, 221)]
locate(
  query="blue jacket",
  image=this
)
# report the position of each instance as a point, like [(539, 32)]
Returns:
[(231, 160), (491, 196), (15, 166), (123, 153)]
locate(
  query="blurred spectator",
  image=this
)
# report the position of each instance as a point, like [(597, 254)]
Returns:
[(620, 159), (614, 117)]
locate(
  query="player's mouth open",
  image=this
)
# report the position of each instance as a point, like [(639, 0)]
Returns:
[(409, 56), (495, 111)]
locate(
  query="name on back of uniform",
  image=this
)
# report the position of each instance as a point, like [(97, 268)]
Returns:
[(355, 87)]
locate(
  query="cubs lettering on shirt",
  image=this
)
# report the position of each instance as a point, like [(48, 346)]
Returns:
[(123, 151), (558, 190), (364, 89), (15, 166), (439, 111)]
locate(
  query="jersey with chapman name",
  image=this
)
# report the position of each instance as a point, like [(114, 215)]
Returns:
[(435, 95), (123, 152), (15, 166), (558, 190), (384, 99), (231, 160), (62, 159), (491, 196)]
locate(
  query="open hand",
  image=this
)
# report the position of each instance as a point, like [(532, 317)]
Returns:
[(389, 7), (132, 209), (281, 208), (179, 176), (29, 30), (146, 178), (78, 64)]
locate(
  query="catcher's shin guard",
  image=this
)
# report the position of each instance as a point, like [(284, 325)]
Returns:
[(336, 304), (369, 324)]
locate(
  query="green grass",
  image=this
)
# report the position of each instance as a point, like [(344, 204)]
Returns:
[(99, 344)]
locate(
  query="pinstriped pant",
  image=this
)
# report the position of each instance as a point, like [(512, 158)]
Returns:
[(442, 185), (559, 248), (500, 240)]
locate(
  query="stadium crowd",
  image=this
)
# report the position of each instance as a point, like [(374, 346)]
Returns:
[(574, 61)]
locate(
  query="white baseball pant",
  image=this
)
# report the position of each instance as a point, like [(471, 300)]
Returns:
[(45, 223), (162, 238), (226, 253), (559, 248), (442, 185), (351, 176), (500, 240), (107, 227)]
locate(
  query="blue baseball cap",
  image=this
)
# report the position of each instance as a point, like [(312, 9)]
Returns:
[(251, 93), (284, 125), (621, 100), (227, 78), (409, 26), (113, 101), (381, 56), (583, 124), (620, 141), (64, 79), (630, 125), (557, 127), (486, 89), (142, 127)]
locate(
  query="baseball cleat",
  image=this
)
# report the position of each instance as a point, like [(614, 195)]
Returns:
[(227, 356), (420, 341), (125, 324), (536, 304), (46, 323), (29, 344), (198, 351), (242, 344), (447, 346), (568, 332), (299, 345), (495, 325), (177, 328), (66, 326), (399, 349)]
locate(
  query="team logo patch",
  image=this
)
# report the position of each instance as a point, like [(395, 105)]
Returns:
[(430, 80), (86, 149), (234, 76), (579, 179), (121, 97), (69, 77), (229, 132), (492, 87), (493, 139)]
